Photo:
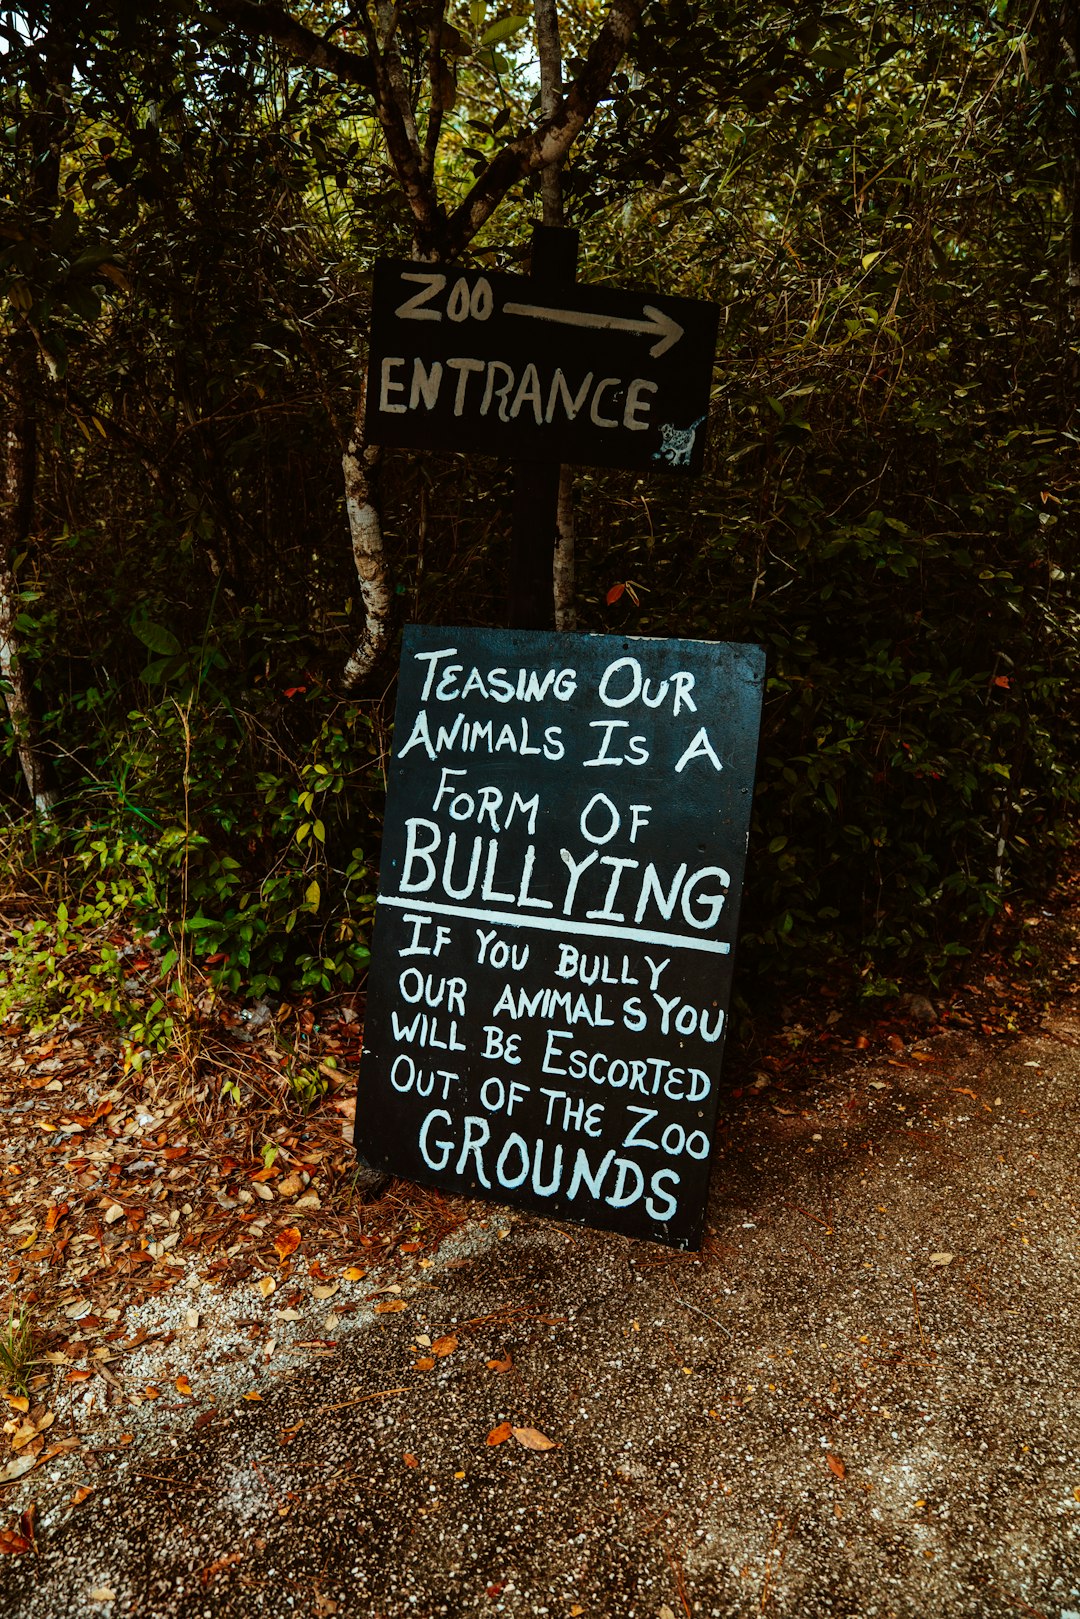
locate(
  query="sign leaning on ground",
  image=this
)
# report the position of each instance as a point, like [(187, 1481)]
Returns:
[(504, 365), (565, 841)]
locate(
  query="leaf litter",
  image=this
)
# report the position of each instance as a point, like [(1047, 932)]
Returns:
[(135, 1207)]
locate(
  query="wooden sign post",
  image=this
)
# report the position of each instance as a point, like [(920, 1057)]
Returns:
[(536, 483), (563, 859)]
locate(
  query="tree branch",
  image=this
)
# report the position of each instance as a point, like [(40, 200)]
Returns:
[(549, 50), (550, 141), (397, 120), (395, 76), (435, 70), (274, 22)]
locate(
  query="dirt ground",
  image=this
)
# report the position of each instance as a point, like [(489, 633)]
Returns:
[(861, 1398)]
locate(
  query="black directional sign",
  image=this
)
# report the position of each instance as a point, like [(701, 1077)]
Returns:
[(502, 365), (561, 871)]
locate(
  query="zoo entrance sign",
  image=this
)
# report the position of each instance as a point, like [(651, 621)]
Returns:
[(506, 365), (562, 865)]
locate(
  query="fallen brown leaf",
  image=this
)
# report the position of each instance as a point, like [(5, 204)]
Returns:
[(219, 1565), (17, 1466), (410, 1460), (182, 1385), (390, 1307), (287, 1242), (533, 1439), (444, 1346), (24, 1433), (12, 1544), (503, 1365), (835, 1465), (499, 1434), (424, 1364), (81, 1494)]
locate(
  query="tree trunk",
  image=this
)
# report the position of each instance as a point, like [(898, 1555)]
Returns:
[(18, 475), (563, 571), (549, 50), (360, 464)]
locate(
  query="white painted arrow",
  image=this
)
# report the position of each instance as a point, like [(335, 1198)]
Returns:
[(666, 331)]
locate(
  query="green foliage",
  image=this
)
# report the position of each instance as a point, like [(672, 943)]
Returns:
[(16, 1350), (879, 202), (231, 839)]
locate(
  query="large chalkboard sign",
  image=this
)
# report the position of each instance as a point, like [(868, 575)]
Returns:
[(562, 865), (471, 360)]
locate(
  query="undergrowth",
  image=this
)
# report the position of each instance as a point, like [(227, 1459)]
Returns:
[(16, 1350)]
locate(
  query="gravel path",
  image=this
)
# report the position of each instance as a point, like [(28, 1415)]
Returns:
[(861, 1399)]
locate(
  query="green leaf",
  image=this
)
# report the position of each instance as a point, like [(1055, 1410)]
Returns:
[(157, 670), (506, 29), (91, 257), (313, 894), (81, 300), (157, 638), (487, 56)]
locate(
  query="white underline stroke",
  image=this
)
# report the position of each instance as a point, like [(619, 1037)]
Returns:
[(560, 924)]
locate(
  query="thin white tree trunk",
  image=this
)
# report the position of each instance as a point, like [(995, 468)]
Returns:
[(563, 572), (17, 692), (549, 50), (360, 464), (16, 511)]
